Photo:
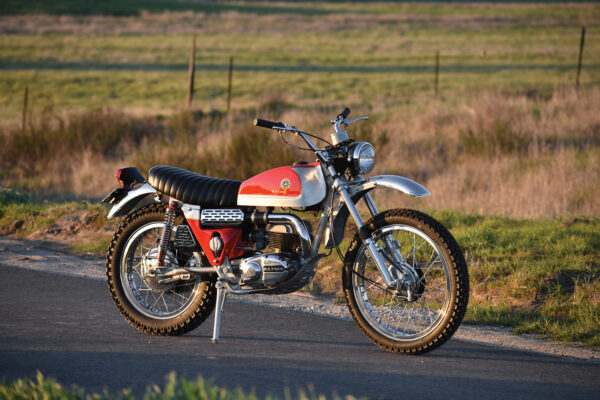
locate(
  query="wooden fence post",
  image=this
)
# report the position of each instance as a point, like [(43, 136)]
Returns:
[(229, 85), (580, 56), (192, 68), (437, 71), (24, 109)]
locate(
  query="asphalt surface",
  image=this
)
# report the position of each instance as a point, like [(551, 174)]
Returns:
[(69, 329)]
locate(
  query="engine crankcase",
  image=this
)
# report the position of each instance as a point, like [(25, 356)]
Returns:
[(267, 270)]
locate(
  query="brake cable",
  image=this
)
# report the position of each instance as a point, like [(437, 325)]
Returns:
[(281, 131)]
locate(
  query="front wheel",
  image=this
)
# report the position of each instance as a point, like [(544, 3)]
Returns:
[(428, 309)]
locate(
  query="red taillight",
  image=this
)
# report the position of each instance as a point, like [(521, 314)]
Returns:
[(119, 176)]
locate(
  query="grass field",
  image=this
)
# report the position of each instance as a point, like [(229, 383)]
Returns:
[(369, 56), (42, 387), (508, 144)]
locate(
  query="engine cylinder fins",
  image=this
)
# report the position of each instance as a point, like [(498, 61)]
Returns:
[(224, 217), (283, 242)]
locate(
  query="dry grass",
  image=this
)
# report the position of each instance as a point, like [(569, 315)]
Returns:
[(492, 153), (503, 154)]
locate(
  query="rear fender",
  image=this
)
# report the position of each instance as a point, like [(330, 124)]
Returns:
[(131, 199), (358, 190)]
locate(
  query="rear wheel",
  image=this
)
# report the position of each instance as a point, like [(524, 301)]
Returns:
[(144, 299), (421, 316)]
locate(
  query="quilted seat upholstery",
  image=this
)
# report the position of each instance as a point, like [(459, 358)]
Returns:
[(192, 188)]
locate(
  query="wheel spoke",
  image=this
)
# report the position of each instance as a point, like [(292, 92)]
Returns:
[(145, 293), (389, 311)]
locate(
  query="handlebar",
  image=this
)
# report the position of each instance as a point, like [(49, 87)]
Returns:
[(263, 123), (340, 134), (344, 113)]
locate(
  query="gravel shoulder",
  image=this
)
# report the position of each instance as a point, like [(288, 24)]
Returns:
[(41, 256)]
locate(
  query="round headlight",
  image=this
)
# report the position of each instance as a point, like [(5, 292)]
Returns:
[(362, 156)]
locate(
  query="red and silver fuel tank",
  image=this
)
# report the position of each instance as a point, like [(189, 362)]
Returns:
[(294, 186)]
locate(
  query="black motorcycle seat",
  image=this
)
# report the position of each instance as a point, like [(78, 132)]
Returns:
[(192, 188)]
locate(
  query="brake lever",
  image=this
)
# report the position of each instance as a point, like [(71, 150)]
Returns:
[(354, 120), (286, 128)]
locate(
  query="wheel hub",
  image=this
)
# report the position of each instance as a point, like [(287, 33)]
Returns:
[(152, 273)]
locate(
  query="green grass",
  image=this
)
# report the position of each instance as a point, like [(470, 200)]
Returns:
[(536, 276), (36, 214), (96, 247), (42, 387), (135, 7), (362, 60)]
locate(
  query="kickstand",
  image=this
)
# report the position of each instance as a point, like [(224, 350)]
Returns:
[(218, 309)]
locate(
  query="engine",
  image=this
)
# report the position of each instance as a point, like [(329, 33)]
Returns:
[(269, 251), (279, 261)]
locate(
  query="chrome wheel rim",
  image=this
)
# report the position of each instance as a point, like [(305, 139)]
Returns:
[(393, 316), (168, 302)]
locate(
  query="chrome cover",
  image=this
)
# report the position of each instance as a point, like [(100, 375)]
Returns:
[(219, 216), (265, 270), (134, 194)]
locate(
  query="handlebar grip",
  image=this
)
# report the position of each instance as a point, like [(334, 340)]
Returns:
[(344, 113), (263, 123)]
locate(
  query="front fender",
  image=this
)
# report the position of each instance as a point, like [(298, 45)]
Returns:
[(358, 190), (399, 183), (131, 199)]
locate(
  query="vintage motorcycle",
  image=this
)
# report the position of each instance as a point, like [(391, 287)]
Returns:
[(187, 240)]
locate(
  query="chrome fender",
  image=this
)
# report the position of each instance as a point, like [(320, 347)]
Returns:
[(131, 199), (359, 189), (399, 183)]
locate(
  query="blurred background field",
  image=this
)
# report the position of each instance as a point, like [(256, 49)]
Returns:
[(507, 141)]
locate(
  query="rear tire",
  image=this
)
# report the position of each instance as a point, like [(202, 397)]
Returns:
[(387, 318), (133, 293)]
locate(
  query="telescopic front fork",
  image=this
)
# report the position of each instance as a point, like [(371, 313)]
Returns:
[(365, 235)]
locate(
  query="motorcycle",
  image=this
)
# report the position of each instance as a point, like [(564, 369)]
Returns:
[(188, 240)]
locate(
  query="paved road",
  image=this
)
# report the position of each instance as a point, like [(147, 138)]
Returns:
[(69, 329)]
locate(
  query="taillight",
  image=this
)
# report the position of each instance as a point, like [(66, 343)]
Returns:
[(119, 177)]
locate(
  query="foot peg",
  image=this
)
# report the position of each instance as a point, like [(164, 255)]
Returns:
[(218, 310)]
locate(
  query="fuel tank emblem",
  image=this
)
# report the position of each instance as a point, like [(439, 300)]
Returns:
[(285, 184)]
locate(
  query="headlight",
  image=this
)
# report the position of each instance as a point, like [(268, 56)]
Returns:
[(362, 157)]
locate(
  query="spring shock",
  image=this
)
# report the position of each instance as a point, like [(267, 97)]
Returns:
[(166, 234)]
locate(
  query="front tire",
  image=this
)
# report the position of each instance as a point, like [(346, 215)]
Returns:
[(426, 319), (149, 306)]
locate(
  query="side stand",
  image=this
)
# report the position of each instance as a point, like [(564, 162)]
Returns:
[(218, 309)]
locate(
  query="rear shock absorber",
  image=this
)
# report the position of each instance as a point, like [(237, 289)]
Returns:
[(166, 234)]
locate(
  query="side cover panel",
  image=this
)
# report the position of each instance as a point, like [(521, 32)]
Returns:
[(231, 236), (295, 186)]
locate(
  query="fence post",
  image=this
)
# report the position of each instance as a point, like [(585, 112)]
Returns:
[(229, 85), (192, 68), (580, 56), (437, 71), (24, 109)]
